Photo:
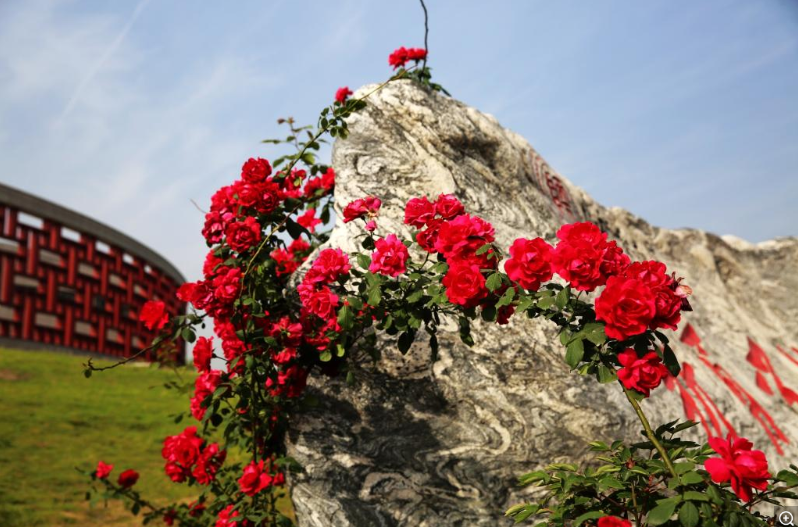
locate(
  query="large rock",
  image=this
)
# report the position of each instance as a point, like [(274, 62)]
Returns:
[(442, 444)]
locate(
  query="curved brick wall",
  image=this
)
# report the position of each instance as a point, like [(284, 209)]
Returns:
[(69, 281)]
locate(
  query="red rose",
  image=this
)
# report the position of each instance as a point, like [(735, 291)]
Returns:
[(328, 179), (154, 315), (226, 285), (204, 385), (613, 521), (181, 452), (398, 58), (641, 374), (448, 207), (203, 350), (342, 94), (284, 356), (465, 285), (290, 383), (362, 207), (210, 460), (419, 212), (614, 261), (103, 470), (241, 235), (460, 238), (627, 306), (309, 220), (228, 518), (416, 54), (256, 170), (287, 332), (530, 263), (299, 245), (128, 478), (328, 267), (402, 56), (313, 186), (427, 238), (211, 264), (170, 517), (215, 223), (743, 467), (668, 303), (321, 303), (254, 479), (284, 262), (390, 256), (578, 256)]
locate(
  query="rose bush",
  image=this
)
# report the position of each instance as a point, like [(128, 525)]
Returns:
[(271, 336)]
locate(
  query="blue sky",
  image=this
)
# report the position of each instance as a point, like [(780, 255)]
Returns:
[(684, 113)]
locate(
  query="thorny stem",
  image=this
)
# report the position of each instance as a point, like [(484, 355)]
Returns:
[(650, 433), (426, 34)]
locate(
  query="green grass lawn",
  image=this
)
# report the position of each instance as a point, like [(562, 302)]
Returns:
[(53, 419)]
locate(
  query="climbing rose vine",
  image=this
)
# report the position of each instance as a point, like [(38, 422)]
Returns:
[(275, 326)]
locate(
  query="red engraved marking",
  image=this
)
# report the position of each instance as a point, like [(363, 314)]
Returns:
[(762, 383), (550, 184), (787, 355), (690, 337), (760, 414), (690, 390), (760, 360)]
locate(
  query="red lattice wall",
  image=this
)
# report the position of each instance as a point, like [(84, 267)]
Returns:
[(68, 281)]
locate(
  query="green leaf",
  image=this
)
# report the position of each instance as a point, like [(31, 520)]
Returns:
[(691, 478), (790, 478), (489, 313), (483, 249), (294, 229), (663, 511), (494, 281), (714, 494), (346, 317), (606, 375), (406, 340), (507, 298), (415, 296), (574, 353), (325, 356), (355, 302), (363, 261), (546, 302), (524, 303), (670, 360), (561, 300), (592, 515), (594, 332), (522, 512), (688, 515), (374, 295), (693, 495)]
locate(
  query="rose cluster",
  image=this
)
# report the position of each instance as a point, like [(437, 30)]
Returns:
[(637, 296), (189, 456), (401, 56)]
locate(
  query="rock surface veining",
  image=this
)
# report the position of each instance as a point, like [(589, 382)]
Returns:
[(442, 444)]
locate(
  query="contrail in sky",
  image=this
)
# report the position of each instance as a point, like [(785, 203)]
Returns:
[(103, 59)]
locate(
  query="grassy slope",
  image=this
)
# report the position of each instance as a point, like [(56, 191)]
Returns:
[(52, 420)]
